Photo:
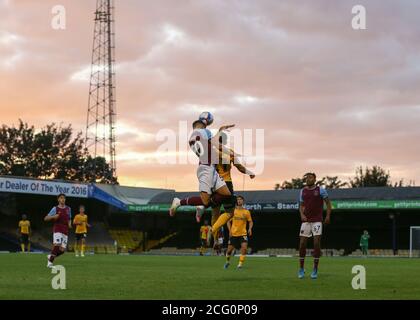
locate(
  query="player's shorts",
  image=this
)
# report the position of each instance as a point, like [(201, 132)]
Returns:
[(24, 238), (309, 229), (208, 179), (60, 239), (229, 185), (80, 236), (237, 241)]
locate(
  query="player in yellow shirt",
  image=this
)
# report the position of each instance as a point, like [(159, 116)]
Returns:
[(24, 232), (238, 233), (204, 236), (224, 170), (81, 223)]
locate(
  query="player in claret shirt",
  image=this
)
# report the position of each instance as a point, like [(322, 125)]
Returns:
[(213, 189), (311, 200), (61, 216)]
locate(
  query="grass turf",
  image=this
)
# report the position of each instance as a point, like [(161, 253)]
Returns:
[(25, 276)]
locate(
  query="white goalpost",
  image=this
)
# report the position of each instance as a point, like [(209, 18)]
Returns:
[(415, 241)]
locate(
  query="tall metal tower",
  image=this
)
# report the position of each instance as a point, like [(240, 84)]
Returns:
[(101, 115)]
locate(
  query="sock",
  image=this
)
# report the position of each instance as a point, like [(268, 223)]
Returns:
[(54, 253), (227, 258), (317, 253), (316, 262), (241, 259), (220, 222), (29, 247), (302, 254), (22, 246), (192, 201), (76, 249), (214, 218), (83, 249)]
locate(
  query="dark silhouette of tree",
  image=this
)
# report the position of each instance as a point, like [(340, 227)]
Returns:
[(368, 177), (298, 183), (401, 183), (295, 183), (371, 177), (332, 182), (49, 153)]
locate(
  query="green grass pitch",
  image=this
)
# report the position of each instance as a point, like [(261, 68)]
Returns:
[(25, 276)]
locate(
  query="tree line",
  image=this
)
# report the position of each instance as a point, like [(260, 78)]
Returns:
[(374, 176), (50, 153)]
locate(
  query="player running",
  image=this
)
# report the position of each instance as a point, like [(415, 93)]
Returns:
[(81, 223), (24, 232), (311, 204), (213, 190), (61, 216), (238, 234), (204, 236)]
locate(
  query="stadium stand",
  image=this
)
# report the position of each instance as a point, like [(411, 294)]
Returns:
[(289, 195), (98, 235), (127, 240), (131, 195), (134, 241), (274, 212), (384, 253)]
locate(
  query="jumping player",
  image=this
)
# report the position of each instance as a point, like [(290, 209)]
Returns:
[(224, 168), (61, 216), (238, 233), (311, 200), (81, 222), (213, 190), (24, 232)]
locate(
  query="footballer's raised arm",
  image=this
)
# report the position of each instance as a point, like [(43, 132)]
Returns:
[(241, 168), (215, 139)]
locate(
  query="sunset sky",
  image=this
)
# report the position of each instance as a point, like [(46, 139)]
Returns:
[(328, 97)]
